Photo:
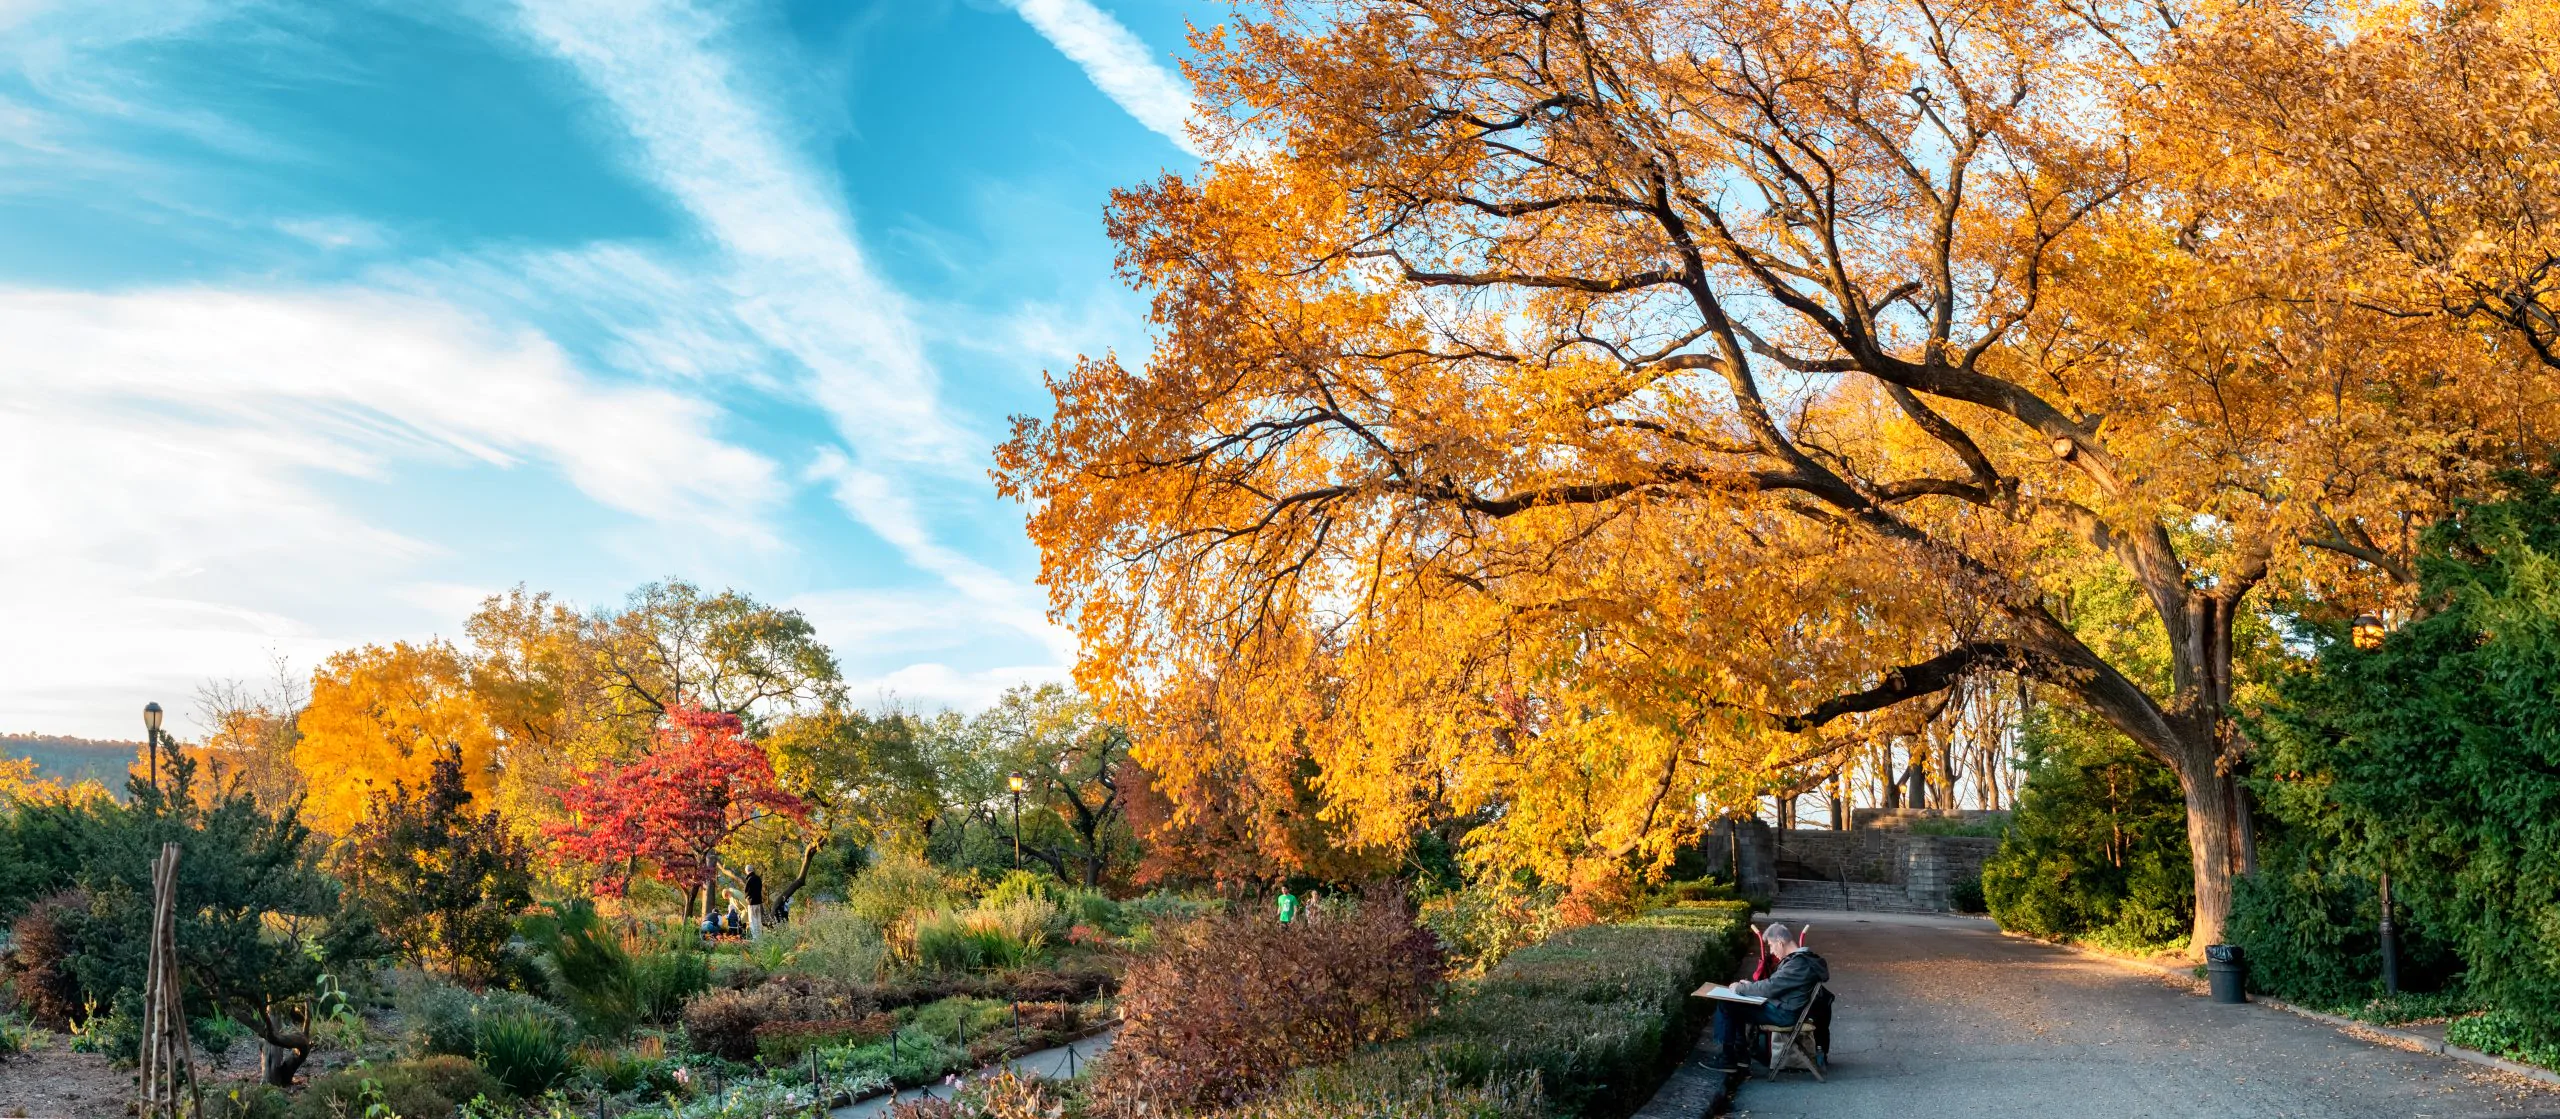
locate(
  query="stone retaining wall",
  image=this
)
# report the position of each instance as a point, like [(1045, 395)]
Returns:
[(1922, 867)]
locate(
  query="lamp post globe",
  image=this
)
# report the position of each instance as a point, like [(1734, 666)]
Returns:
[(151, 740)]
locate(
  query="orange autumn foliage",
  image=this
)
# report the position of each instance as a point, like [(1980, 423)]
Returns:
[(1578, 415), (381, 715)]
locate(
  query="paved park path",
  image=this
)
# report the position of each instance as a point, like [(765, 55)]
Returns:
[(1943, 1016)]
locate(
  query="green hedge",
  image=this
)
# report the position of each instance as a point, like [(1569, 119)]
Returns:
[(2430, 758), (1597, 1014)]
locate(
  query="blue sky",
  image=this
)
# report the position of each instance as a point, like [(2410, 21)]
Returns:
[(323, 320)]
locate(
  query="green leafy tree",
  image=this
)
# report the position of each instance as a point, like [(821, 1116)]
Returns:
[(258, 921), (865, 777), (444, 883), (2098, 844), (2434, 758), (1074, 806)]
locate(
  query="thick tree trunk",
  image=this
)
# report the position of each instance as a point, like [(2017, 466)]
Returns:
[(808, 858), (2213, 806)]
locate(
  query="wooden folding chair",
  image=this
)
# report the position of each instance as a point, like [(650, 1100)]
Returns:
[(1792, 1046)]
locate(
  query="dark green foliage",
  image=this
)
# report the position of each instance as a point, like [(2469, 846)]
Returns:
[(2098, 844), (2506, 1033), (426, 1088), (525, 1050), (444, 1019), (39, 856), (445, 885), (661, 981), (588, 967), (1964, 895), (2311, 934), (1596, 1013), (2435, 758), (257, 920)]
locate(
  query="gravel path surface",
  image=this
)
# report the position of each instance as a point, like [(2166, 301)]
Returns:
[(1943, 1016)]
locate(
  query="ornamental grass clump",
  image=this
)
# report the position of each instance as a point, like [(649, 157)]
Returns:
[(1225, 1008)]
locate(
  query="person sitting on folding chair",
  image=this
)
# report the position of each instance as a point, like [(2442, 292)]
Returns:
[(1799, 970)]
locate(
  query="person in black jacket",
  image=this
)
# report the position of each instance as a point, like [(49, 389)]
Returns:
[(1799, 972), (755, 904)]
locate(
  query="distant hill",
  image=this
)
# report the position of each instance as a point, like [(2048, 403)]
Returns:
[(73, 760)]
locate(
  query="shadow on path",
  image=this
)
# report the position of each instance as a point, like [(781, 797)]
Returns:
[(1943, 1016)]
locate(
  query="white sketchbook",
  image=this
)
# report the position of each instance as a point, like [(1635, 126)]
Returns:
[(1728, 994)]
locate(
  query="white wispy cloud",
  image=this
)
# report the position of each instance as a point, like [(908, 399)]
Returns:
[(1118, 62), (187, 468), (800, 281)]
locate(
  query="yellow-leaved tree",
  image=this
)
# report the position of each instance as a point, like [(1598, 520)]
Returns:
[(383, 714), (1581, 412)]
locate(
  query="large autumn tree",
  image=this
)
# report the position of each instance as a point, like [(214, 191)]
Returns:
[(1585, 408)]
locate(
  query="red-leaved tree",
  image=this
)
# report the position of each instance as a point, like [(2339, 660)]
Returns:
[(702, 780)]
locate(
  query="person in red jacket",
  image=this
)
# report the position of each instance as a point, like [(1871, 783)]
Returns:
[(1795, 972)]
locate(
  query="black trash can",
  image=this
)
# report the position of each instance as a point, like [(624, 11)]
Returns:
[(2227, 972)]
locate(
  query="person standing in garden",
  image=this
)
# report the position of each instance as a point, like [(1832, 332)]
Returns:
[(755, 903)]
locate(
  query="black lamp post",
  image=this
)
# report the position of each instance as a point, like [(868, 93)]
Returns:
[(151, 741), (1014, 782), (2390, 945), (2367, 632)]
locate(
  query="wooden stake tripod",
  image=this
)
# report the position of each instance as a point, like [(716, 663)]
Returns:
[(166, 1057)]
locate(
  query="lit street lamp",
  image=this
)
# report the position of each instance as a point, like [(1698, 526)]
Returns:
[(151, 741), (1015, 782), (2367, 632)]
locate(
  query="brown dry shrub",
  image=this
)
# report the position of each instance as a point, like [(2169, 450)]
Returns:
[(781, 1043), (39, 968), (727, 1023), (1226, 1007), (724, 1023)]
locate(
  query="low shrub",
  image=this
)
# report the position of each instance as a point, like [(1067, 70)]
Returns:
[(1009, 935), (781, 1043), (661, 982), (250, 1101), (39, 961), (723, 1023), (1481, 924), (527, 1052), (1594, 1014), (588, 967), (426, 1088), (1228, 1006), (1699, 889), (2505, 1033), (1356, 1093), (834, 943), (643, 1067), (899, 884), (1020, 885), (16, 1037), (444, 1019)]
